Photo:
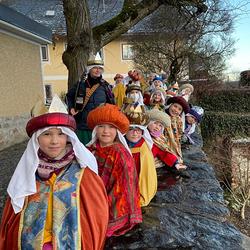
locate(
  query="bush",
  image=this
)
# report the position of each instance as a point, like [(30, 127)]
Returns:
[(225, 124), (225, 100)]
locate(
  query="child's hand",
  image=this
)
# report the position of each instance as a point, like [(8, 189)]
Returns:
[(180, 166), (73, 112)]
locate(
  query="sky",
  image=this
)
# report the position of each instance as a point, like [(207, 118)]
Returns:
[(241, 60)]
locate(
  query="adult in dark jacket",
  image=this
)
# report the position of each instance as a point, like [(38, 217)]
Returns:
[(88, 94)]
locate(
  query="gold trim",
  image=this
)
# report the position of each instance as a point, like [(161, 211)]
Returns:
[(21, 223)]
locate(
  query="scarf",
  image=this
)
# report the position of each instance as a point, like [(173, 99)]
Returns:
[(92, 81), (162, 143), (48, 166)]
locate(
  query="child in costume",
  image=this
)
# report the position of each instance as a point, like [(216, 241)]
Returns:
[(172, 90), (119, 90), (162, 152), (175, 106), (193, 117), (56, 198), (133, 101), (140, 144), (157, 83), (186, 91), (157, 99), (116, 167)]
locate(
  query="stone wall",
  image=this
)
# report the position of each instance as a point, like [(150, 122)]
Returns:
[(12, 130), (240, 155), (185, 213)]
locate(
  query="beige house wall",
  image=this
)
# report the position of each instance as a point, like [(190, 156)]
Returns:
[(21, 85), (113, 62), (20, 75), (56, 74)]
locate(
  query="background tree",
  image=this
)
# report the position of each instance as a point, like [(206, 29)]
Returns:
[(188, 38), (82, 39)]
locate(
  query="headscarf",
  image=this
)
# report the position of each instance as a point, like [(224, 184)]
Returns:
[(120, 137), (146, 135), (23, 181)]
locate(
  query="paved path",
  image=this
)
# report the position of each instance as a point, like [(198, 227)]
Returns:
[(8, 160)]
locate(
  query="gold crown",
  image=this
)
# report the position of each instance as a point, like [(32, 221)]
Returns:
[(95, 60), (56, 106)]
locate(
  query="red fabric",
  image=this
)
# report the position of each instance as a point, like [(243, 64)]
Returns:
[(165, 156), (118, 172), (93, 216), (50, 119)]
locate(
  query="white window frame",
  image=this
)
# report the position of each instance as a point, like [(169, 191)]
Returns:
[(46, 59), (130, 54), (48, 92)]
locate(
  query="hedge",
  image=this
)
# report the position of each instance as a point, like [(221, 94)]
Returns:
[(225, 100), (225, 124)]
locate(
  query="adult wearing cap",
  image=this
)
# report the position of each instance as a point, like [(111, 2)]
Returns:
[(116, 167), (175, 107), (56, 198), (86, 95)]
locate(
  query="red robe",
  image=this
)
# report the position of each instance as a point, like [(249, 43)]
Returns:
[(93, 216), (118, 172), (166, 157)]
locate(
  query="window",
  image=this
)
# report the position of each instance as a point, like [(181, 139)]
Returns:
[(48, 93), (127, 52), (45, 55)]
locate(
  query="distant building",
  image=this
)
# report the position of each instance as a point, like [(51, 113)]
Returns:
[(117, 55), (245, 78), (21, 77)]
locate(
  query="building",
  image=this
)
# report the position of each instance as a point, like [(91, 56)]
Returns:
[(117, 55), (21, 77)]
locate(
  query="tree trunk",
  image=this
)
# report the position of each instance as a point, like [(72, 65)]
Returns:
[(80, 35), (174, 69), (242, 211), (79, 38)]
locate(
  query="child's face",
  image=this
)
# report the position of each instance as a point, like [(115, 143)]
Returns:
[(191, 120), (52, 142), (175, 109), (155, 126), (134, 134), (134, 91), (157, 83), (186, 91), (106, 134), (119, 79), (157, 97)]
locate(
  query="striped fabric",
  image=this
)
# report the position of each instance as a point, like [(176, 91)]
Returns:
[(118, 172)]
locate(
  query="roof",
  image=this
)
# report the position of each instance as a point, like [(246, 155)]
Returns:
[(17, 23), (100, 11)]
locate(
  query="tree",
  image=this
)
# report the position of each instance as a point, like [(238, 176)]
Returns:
[(205, 38), (82, 39)]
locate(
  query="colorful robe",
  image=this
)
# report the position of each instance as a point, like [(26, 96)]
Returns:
[(118, 172), (89, 205), (173, 134), (146, 170), (119, 92)]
